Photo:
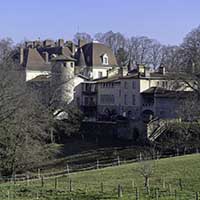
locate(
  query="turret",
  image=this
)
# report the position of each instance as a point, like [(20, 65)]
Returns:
[(62, 82)]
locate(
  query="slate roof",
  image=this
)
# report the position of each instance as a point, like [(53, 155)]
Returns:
[(162, 92), (80, 58), (93, 52), (88, 55), (34, 61)]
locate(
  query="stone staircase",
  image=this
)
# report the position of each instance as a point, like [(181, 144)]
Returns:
[(157, 127)]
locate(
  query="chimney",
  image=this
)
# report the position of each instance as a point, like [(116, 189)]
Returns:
[(81, 43), (147, 72), (162, 70), (21, 59), (29, 44), (35, 44), (71, 46), (46, 57), (141, 70), (61, 43), (48, 43)]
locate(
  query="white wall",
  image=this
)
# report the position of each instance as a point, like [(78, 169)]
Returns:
[(96, 70), (78, 89), (31, 74)]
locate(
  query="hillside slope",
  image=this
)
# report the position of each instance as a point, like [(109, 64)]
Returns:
[(176, 177)]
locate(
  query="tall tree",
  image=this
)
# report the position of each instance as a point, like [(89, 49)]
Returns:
[(112, 40), (24, 122), (122, 57), (82, 36)]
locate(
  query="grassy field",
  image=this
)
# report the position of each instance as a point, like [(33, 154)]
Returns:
[(173, 178)]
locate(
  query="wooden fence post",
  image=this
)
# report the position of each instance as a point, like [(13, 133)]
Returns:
[(140, 156), (157, 193), (175, 194), (180, 184), (70, 185), (37, 196), (56, 183), (137, 195), (67, 169), (119, 191), (118, 160), (97, 164), (8, 194), (102, 187), (133, 184), (14, 179), (42, 181), (197, 196), (86, 186), (38, 173), (157, 155), (170, 189), (164, 185), (27, 179)]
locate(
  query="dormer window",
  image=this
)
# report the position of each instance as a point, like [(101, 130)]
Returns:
[(105, 59)]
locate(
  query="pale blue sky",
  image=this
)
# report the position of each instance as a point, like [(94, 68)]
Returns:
[(165, 20)]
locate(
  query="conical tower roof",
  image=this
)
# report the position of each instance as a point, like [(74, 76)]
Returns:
[(81, 58)]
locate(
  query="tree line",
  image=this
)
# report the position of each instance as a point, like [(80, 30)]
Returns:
[(148, 51), (29, 130)]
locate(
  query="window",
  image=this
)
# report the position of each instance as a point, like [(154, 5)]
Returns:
[(120, 93), (125, 99), (100, 74), (72, 64), (125, 85), (133, 99), (105, 59), (166, 84), (86, 100), (65, 64), (133, 84)]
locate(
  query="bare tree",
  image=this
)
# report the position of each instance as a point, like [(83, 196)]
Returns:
[(155, 54), (140, 49), (24, 122), (113, 40), (146, 169), (83, 36)]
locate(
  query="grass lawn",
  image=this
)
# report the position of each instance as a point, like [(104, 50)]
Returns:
[(173, 178)]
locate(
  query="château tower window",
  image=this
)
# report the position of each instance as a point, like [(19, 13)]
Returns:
[(105, 59)]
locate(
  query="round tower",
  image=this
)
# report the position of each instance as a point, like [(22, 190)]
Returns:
[(62, 80)]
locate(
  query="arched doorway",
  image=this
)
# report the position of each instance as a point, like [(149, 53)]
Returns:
[(147, 115)]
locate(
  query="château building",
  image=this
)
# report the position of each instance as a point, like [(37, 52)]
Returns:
[(87, 76)]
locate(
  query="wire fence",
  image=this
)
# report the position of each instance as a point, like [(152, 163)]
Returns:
[(98, 164), (60, 184), (67, 188)]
